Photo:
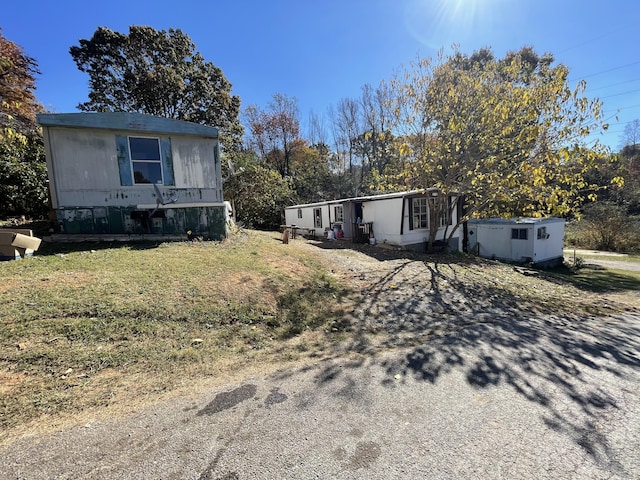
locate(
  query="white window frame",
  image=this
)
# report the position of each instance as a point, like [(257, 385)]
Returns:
[(131, 159), (338, 218), (444, 220), (420, 213)]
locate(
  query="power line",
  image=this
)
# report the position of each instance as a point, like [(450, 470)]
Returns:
[(627, 108), (614, 85), (593, 39), (621, 93), (610, 70)]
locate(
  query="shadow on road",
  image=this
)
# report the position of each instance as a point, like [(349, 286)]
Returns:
[(548, 356)]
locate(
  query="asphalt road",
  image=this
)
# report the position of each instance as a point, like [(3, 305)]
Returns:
[(513, 398)]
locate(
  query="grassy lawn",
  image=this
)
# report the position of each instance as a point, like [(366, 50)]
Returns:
[(85, 329), (98, 329)]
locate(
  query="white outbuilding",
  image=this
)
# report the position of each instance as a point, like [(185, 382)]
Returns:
[(539, 241)]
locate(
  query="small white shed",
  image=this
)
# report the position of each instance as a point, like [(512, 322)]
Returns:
[(524, 240)]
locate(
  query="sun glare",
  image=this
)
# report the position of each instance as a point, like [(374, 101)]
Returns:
[(440, 23)]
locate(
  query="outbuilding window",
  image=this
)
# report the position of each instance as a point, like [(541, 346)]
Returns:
[(339, 213), (542, 233), (299, 213), (145, 160), (519, 233)]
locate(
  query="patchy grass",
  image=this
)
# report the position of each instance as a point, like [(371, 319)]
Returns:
[(90, 327), (603, 280), (92, 330)]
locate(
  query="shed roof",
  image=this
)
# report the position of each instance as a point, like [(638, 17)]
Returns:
[(138, 122), (518, 220)]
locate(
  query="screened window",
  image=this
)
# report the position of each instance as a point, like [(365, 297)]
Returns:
[(299, 213), (420, 213), (339, 213), (145, 160), (519, 233)]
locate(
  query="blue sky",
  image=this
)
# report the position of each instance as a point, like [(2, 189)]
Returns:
[(320, 52)]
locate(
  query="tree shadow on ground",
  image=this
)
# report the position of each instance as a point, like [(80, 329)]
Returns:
[(48, 248), (547, 356)]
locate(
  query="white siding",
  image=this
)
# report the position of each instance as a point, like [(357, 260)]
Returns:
[(551, 247)]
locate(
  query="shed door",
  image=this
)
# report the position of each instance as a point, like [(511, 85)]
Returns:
[(521, 244)]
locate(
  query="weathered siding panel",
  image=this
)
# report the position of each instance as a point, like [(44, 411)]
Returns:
[(84, 160), (92, 168), (92, 184), (194, 163)]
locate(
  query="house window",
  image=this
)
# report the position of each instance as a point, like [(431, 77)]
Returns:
[(519, 233), (420, 213), (299, 213), (145, 160), (317, 215), (339, 214), (542, 233), (436, 202)]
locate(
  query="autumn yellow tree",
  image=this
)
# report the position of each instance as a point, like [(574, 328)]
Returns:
[(509, 135), (23, 171)]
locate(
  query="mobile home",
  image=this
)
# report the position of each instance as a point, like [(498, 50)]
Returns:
[(401, 219), (128, 173)]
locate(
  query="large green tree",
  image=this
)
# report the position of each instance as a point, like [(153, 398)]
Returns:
[(158, 72), (23, 172), (508, 134), (259, 194)]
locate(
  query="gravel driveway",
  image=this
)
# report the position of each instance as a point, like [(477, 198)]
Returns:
[(438, 380)]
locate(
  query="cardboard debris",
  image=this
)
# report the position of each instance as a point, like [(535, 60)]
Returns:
[(17, 243)]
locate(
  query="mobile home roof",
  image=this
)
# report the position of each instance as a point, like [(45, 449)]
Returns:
[(368, 198)]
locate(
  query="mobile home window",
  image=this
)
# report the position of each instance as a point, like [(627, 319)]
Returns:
[(145, 160), (339, 214), (542, 233), (317, 215), (299, 213), (420, 213), (444, 220), (519, 233)]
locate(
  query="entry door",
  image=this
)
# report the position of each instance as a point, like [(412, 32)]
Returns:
[(317, 217)]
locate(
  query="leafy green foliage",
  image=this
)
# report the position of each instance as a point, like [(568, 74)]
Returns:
[(23, 174), (157, 72), (258, 193)]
